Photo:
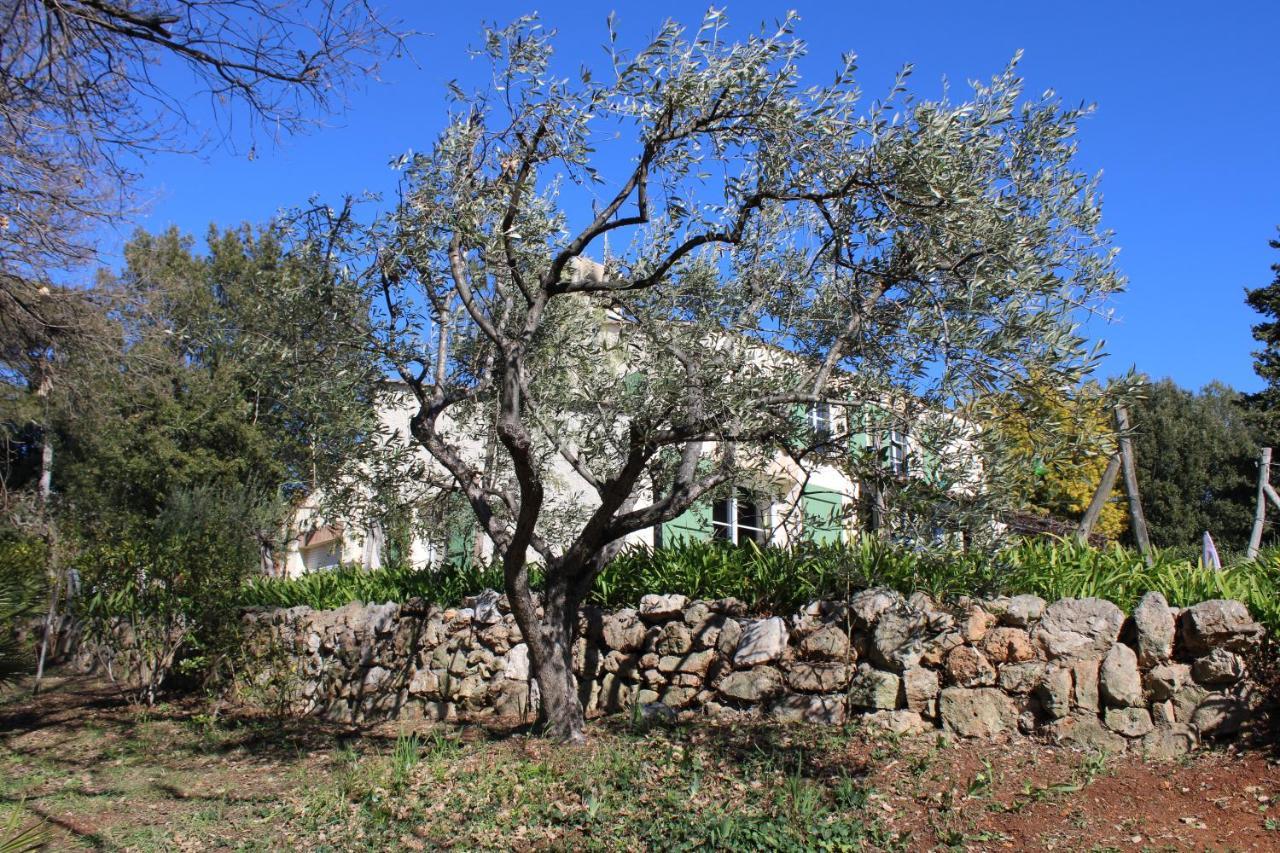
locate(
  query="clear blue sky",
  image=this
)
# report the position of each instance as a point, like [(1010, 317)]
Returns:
[(1187, 134)]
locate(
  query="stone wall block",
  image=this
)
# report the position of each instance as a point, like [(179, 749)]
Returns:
[(762, 641), (1079, 628), (1119, 680), (968, 667), (1154, 629), (875, 689), (976, 712)]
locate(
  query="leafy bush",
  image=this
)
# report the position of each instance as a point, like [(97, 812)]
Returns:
[(22, 590), (166, 592)]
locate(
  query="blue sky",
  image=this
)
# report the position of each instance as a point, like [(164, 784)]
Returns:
[(1186, 134)]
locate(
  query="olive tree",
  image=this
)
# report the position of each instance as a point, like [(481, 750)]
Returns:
[(632, 278)]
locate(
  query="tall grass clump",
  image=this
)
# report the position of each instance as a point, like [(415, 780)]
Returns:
[(781, 579), (324, 590)]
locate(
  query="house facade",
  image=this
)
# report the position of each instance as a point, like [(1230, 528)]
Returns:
[(785, 501)]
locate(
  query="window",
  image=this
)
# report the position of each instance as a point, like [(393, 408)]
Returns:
[(322, 557), (739, 518), (896, 445), (818, 418), (322, 548)]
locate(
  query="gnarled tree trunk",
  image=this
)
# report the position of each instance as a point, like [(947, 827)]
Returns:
[(550, 639)]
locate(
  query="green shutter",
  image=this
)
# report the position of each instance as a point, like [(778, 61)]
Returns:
[(823, 517), (693, 525), (800, 424), (459, 547), (859, 434), (931, 465)]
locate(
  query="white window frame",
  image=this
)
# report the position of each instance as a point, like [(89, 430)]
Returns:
[(820, 421), (326, 556), (899, 452), (732, 528)]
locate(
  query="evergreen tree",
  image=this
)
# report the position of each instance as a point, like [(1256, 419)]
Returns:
[(1196, 458), (1266, 301)]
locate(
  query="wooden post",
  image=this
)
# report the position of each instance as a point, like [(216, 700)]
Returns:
[(1260, 508), (1105, 487), (1137, 520)]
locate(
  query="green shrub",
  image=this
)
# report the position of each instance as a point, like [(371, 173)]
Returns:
[(164, 594), (23, 583)]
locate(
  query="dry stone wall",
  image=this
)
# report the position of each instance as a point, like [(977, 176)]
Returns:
[(1078, 670)]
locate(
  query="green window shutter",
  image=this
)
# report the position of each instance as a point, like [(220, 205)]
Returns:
[(634, 382), (859, 430), (823, 519), (459, 547), (799, 424), (693, 525), (931, 465)]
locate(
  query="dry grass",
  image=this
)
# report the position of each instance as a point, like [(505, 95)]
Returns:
[(107, 775)]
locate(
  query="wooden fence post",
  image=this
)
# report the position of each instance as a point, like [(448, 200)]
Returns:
[(1260, 509), (1137, 520), (1100, 496)]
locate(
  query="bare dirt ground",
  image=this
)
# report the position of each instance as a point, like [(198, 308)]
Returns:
[(101, 773)]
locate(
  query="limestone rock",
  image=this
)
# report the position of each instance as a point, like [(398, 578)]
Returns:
[(1166, 680), (730, 636), (762, 641), (827, 643), (866, 606), (1168, 744), (901, 722), (615, 694), (1130, 722), (1084, 675), (1155, 628), (937, 648), (810, 709), (675, 639), (1218, 668), (968, 667), (1219, 715), (694, 663), (1079, 628), (920, 686), (975, 623), (678, 697), (1186, 700), (818, 677), (874, 688), (1021, 678), (1119, 680), (658, 608), (706, 633), (1218, 624), (899, 636), (1023, 610), (623, 631), (696, 614), (980, 712), (1008, 645), (752, 685), (484, 607), (1054, 692), (424, 682), (1162, 714), (1086, 732), (622, 664), (517, 665)]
